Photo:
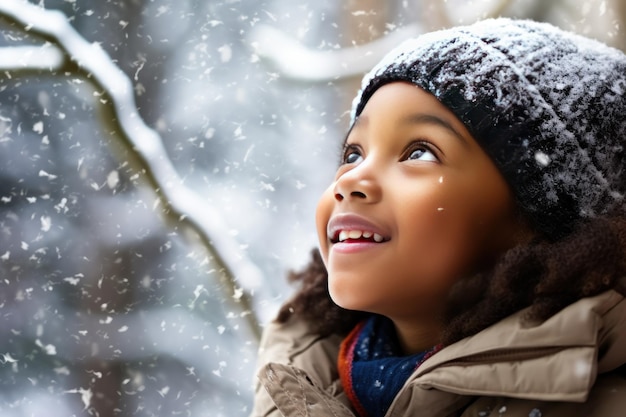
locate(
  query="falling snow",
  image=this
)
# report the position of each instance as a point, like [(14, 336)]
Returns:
[(105, 284)]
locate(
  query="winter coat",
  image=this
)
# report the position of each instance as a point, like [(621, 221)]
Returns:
[(568, 365)]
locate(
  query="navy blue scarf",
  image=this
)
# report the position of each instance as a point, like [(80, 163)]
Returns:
[(372, 368)]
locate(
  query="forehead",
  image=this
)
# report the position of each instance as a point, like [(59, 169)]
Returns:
[(407, 105)]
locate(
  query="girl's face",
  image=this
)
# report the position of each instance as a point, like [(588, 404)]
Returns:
[(415, 206)]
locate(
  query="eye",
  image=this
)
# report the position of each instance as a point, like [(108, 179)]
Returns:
[(420, 151), (351, 155)]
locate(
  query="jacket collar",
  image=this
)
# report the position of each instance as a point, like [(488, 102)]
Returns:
[(557, 360)]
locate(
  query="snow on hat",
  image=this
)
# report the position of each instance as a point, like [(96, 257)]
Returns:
[(548, 106)]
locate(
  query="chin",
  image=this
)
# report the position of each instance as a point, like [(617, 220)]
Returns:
[(338, 293), (345, 297)]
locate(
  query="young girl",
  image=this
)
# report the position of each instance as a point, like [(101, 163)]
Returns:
[(472, 257)]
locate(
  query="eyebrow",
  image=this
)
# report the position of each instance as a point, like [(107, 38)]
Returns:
[(423, 118), (417, 118)]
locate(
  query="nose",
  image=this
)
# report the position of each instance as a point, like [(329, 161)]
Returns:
[(358, 184)]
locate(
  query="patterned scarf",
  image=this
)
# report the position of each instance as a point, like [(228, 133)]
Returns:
[(372, 368)]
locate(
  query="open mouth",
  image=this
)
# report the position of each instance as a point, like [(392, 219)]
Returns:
[(357, 236)]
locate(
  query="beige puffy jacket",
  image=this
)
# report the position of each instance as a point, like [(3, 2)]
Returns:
[(566, 366)]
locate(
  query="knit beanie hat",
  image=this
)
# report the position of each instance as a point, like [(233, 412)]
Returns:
[(548, 106)]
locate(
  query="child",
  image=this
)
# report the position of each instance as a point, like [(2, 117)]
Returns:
[(472, 256)]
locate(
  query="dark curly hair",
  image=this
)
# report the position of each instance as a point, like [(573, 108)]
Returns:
[(544, 276)]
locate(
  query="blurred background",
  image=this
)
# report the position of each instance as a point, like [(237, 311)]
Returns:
[(135, 279)]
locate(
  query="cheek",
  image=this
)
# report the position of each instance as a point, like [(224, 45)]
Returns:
[(468, 224), (443, 226), (322, 215)]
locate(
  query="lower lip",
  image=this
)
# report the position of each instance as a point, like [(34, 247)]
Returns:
[(354, 247)]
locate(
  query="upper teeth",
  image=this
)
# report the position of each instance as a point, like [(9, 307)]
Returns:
[(356, 234)]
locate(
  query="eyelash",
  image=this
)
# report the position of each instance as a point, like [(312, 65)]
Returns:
[(350, 148), (347, 150)]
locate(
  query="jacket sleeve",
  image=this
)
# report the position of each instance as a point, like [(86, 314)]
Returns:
[(295, 365), (293, 393)]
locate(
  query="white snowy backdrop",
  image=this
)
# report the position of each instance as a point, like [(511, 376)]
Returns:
[(135, 282)]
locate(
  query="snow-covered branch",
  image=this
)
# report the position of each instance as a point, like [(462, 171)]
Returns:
[(67, 49), (296, 61)]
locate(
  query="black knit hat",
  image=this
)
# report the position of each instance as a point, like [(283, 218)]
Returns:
[(548, 106)]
